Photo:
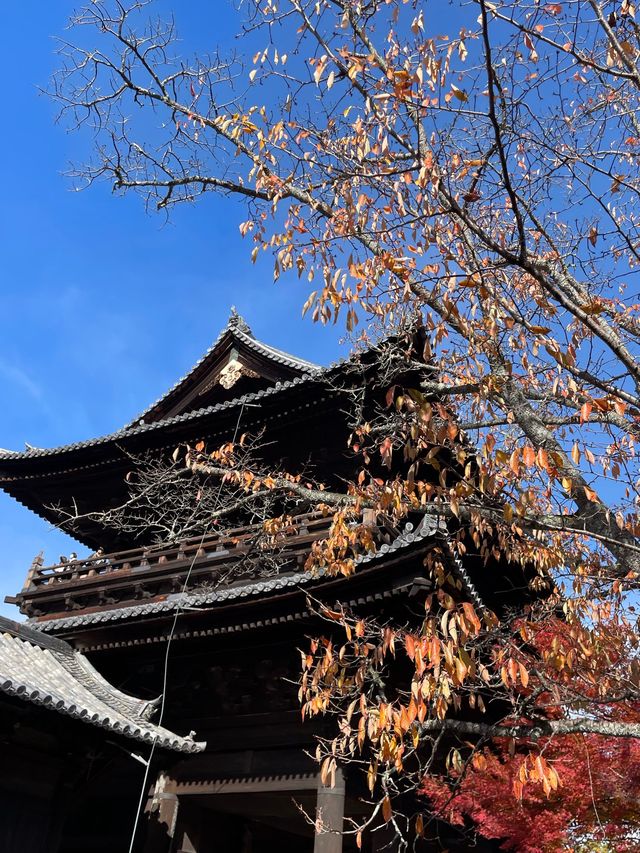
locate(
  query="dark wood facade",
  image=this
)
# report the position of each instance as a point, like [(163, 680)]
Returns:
[(155, 619)]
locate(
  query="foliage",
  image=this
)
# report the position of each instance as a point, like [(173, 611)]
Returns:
[(595, 809), (481, 186)]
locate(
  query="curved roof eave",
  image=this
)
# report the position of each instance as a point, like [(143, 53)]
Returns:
[(246, 399), (430, 527), (47, 672)]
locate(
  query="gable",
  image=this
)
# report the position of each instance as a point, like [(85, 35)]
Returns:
[(235, 365)]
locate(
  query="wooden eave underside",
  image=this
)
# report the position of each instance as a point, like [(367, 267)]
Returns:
[(87, 472), (386, 580)]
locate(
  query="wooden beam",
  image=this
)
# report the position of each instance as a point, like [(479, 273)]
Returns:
[(330, 816), (161, 812), (249, 785)]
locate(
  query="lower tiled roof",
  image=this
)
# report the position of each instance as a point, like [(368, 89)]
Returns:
[(428, 527), (46, 671)]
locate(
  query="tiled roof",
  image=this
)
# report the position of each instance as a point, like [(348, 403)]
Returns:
[(251, 399), (237, 327), (428, 527), (247, 399), (46, 671)]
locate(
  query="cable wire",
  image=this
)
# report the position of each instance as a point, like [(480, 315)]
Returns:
[(163, 695)]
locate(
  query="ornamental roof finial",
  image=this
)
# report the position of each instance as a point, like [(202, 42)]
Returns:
[(236, 321)]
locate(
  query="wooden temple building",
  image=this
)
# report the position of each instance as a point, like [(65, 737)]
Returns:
[(227, 766)]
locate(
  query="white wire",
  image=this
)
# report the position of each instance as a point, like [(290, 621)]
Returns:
[(179, 609)]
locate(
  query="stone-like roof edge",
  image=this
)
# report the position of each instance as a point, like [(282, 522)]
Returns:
[(465, 580), (240, 330), (25, 631), (133, 713), (428, 527)]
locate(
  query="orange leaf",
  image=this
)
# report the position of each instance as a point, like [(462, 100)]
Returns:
[(479, 761), (543, 459), (390, 395), (387, 811), (585, 412), (386, 451), (471, 615), (410, 646)]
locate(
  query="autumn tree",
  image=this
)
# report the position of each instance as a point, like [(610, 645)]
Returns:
[(470, 170), (595, 808)]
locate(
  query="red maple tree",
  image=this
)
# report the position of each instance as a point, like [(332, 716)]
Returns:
[(594, 807)]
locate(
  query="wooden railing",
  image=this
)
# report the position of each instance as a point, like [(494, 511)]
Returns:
[(146, 573), (233, 544)]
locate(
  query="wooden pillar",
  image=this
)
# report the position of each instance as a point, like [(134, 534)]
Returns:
[(162, 813), (329, 816)]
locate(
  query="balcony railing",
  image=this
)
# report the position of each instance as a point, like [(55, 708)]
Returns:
[(157, 570)]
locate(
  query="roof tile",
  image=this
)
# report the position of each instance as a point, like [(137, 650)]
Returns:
[(237, 327), (47, 671), (428, 527)]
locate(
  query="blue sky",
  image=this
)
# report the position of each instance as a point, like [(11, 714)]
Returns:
[(103, 305)]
